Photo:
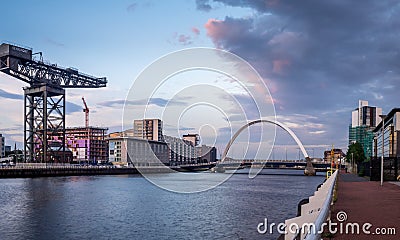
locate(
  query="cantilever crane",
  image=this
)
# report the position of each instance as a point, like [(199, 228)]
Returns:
[(86, 111), (44, 101)]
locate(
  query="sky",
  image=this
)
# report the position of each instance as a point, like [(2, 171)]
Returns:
[(317, 58)]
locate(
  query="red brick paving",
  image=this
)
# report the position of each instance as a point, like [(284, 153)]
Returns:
[(366, 201)]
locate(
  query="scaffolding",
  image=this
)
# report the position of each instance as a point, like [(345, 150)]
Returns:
[(87, 144)]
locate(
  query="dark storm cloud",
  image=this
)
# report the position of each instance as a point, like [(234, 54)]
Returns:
[(318, 55), (313, 47), (245, 108)]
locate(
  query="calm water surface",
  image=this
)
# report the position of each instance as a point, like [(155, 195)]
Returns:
[(129, 207)]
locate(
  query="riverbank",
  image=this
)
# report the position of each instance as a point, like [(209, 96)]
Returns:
[(56, 171), (29, 170), (366, 201)]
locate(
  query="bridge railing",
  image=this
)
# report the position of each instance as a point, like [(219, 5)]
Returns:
[(313, 214)]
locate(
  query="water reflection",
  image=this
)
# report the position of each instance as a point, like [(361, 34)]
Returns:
[(129, 207)]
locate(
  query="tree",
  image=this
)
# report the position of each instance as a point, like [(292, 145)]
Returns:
[(358, 153)]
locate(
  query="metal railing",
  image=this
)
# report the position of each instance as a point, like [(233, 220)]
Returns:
[(313, 214)]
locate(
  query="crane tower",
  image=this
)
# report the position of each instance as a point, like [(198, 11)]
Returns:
[(44, 99), (86, 111)]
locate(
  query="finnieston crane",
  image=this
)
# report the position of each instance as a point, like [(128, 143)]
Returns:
[(86, 111), (44, 99)]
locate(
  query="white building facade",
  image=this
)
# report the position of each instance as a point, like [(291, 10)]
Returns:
[(139, 152), (391, 136), (365, 115), (149, 129), (180, 151)]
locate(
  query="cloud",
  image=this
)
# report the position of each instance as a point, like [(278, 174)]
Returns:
[(317, 132), (181, 39), (203, 5), (196, 31), (131, 7), (160, 102), (184, 39), (187, 128), (54, 42), (229, 32), (320, 56), (12, 129), (72, 107), (5, 94), (295, 49)]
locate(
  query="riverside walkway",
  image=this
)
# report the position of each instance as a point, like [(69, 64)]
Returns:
[(367, 202)]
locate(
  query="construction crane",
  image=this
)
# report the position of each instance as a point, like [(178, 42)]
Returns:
[(44, 99), (86, 111)]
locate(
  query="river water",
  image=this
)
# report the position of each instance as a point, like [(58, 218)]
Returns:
[(130, 207)]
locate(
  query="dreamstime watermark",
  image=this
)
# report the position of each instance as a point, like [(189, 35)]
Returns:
[(339, 227)]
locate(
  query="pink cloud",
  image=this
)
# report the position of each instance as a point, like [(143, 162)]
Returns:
[(184, 39), (279, 65), (196, 31), (228, 31), (216, 30)]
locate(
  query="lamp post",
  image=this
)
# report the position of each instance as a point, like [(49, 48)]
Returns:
[(383, 139), (285, 153), (352, 162)]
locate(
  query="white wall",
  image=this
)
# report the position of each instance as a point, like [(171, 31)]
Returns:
[(354, 118), (396, 121), (378, 112)]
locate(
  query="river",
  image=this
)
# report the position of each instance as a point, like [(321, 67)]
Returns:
[(130, 207)]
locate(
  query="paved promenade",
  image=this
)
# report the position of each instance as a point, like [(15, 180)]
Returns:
[(367, 202)]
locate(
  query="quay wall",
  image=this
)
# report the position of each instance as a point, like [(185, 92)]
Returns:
[(30, 172)]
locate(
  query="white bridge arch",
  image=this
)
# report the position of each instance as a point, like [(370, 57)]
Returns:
[(281, 125)]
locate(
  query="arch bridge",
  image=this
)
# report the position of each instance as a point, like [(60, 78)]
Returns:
[(309, 170)]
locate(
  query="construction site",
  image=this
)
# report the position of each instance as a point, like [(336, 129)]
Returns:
[(88, 144), (46, 137)]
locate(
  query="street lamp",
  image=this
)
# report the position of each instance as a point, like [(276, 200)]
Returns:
[(286, 153), (352, 162), (383, 139)]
